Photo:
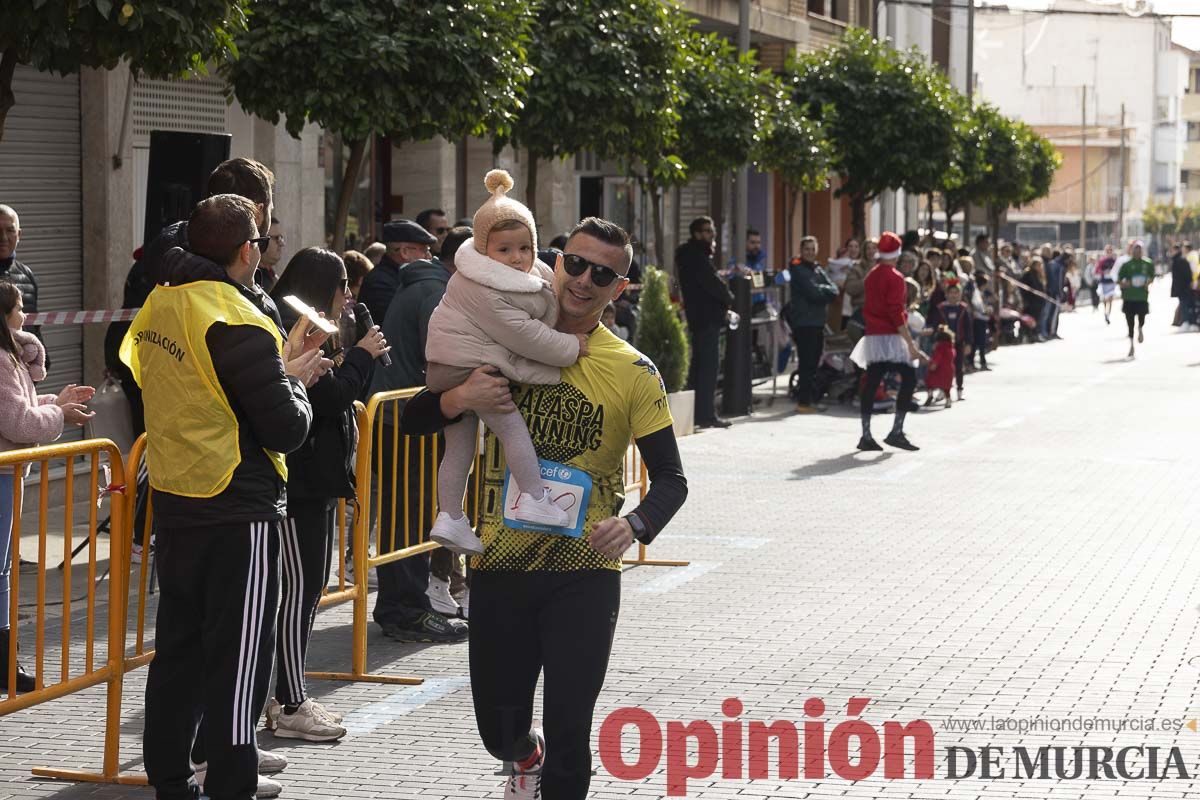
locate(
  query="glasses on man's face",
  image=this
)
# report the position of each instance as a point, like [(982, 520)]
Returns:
[(261, 242), (601, 275)]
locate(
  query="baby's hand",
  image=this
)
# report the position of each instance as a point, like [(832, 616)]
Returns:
[(583, 344)]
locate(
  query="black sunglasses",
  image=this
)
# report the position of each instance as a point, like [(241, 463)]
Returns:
[(601, 275), (262, 242)]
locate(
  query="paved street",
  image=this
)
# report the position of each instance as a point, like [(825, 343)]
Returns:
[(1037, 560)]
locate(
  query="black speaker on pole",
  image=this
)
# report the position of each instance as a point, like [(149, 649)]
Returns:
[(179, 167)]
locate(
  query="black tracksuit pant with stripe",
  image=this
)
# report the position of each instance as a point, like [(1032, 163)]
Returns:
[(306, 550), (214, 644)]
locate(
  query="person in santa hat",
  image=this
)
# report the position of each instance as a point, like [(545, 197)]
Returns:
[(887, 345)]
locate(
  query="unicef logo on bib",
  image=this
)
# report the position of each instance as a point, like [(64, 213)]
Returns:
[(570, 489)]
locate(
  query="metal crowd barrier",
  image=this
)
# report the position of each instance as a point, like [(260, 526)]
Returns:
[(71, 678), (638, 480), (401, 539)]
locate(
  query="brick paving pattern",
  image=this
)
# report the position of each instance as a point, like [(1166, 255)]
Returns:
[(1034, 560)]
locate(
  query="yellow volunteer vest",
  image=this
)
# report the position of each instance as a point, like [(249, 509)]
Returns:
[(191, 430)]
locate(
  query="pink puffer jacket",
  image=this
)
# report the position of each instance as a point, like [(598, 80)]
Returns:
[(26, 418), (494, 315)]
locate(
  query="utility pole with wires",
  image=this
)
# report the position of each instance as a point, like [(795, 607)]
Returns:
[(1121, 188), (1083, 174)]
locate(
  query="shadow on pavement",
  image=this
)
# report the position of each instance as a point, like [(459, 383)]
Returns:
[(834, 466)]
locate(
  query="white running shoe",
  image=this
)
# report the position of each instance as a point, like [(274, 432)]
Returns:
[(372, 578), (456, 535), (274, 712), (526, 784), (271, 763), (541, 510), (439, 597), (308, 723), (266, 789)]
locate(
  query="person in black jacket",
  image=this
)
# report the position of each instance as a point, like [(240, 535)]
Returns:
[(706, 302), (402, 606), (1181, 284), (812, 292), (320, 472), (13, 271), (406, 241), (218, 553)]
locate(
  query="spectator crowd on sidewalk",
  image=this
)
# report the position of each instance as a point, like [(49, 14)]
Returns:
[(492, 327)]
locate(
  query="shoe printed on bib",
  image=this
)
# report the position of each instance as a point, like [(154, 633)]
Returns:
[(541, 510)]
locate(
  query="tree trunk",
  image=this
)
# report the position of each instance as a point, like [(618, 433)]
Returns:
[(531, 176), (951, 210), (858, 216), (660, 236), (8, 66), (791, 200), (349, 182), (929, 211)]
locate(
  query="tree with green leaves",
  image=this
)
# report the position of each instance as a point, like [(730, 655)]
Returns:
[(889, 115), (724, 110), (660, 331), (603, 72), (408, 69), (159, 38), (796, 150)]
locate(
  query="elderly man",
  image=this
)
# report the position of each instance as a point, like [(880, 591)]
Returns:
[(547, 602), (403, 607), (14, 271), (405, 241)]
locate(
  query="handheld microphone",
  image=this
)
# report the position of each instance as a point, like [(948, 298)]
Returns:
[(362, 315)]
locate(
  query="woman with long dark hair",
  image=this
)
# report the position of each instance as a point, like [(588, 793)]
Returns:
[(320, 472), (26, 419)]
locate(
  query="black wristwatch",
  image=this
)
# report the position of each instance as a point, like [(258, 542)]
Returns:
[(639, 528)]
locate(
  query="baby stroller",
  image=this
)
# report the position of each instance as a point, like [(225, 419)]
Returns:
[(836, 376)]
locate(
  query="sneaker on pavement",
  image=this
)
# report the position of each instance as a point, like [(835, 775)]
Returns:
[(440, 598), (429, 627), (869, 444), (308, 723), (540, 511), (525, 782), (899, 440), (271, 763), (273, 712), (372, 578), (457, 535), (266, 789)]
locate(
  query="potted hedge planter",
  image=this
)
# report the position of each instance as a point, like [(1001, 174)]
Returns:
[(661, 336)]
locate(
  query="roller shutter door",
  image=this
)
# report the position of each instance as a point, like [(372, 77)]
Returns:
[(40, 177)]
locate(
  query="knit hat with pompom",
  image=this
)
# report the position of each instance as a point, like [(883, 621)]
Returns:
[(498, 208)]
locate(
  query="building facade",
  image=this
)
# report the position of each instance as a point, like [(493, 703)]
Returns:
[(1077, 71)]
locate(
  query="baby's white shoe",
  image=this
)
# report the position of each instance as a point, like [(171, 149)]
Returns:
[(456, 535)]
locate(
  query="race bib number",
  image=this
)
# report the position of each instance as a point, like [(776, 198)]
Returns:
[(1139, 281), (570, 489)]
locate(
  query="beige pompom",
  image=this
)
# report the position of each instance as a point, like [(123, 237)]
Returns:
[(498, 181)]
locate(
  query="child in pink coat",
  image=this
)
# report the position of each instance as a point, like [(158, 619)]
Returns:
[(499, 310), (26, 419)]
